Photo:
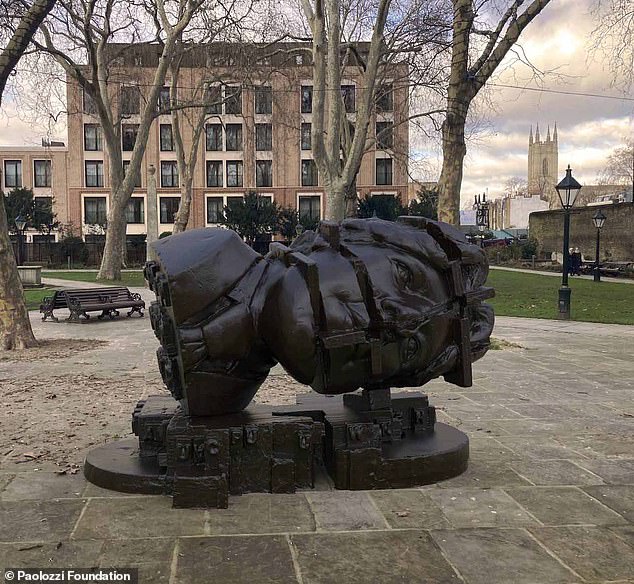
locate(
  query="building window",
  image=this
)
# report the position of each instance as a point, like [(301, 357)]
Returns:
[(169, 174), (213, 99), (215, 210), (305, 137), (234, 200), (309, 173), (137, 181), (347, 94), (384, 99), (130, 100), (168, 209), (307, 99), (233, 99), (92, 137), (94, 173), (164, 101), (384, 135), (310, 207), (135, 211), (263, 137), (129, 133), (95, 212), (263, 173), (234, 173), (43, 210), (166, 138), (234, 137), (90, 107), (214, 173), (383, 171), (263, 100), (12, 173), (43, 176), (213, 137)]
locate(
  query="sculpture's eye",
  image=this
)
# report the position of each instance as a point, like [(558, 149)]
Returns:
[(404, 275), (410, 349)]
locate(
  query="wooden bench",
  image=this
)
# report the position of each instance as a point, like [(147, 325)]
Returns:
[(81, 301)]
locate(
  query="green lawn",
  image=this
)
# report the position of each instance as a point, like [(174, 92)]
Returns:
[(517, 294), (127, 278), (34, 297), (535, 296)]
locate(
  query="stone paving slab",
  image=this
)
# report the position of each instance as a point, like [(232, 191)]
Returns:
[(350, 510), (564, 506), (234, 560), (548, 496), (262, 513), (619, 498), (388, 557), (409, 509), (43, 485), (137, 517), (501, 556), (594, 553), (41, 521)]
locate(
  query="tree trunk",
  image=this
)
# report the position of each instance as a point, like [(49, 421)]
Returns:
[(454, 150), (113, 253), (352, 202), (182, 216), (335, 203), (15, 326)]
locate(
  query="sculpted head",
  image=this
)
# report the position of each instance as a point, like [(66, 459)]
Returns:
[(365, 303)]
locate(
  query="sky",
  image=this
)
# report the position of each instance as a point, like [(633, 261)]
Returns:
[(557, 41), (589, 127)]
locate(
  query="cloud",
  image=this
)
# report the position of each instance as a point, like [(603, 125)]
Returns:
[(589, 127)]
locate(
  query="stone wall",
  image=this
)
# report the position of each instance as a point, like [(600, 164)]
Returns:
[(617, 235)]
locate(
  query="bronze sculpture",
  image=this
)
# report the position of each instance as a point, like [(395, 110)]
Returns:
[(365, 304)]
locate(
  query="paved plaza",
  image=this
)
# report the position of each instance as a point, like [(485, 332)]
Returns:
[(548, 497)]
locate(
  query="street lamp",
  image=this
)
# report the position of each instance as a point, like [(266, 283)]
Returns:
[(567, 189), (599, 220), (20, 223)]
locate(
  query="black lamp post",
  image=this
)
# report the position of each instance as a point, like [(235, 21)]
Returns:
[(567, 189), (20, 223), (599, 220)]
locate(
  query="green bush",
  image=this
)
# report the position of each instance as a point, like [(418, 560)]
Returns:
[(529, 249)]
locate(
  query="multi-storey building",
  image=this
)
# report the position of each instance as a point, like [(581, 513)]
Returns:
[(257, 136), (43, 169)]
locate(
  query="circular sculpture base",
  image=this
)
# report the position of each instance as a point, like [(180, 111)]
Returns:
[(414, 461), (118, 466)]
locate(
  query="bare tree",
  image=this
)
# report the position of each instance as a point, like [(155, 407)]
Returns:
[(619, 169), (516, 186), (190, 113), (476, 53), (90, 29), (613, 38), (15, 326), (339, 166)]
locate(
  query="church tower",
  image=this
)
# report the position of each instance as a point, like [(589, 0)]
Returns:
[(543, 162)]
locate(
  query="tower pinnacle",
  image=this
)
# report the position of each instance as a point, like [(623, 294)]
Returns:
[(555, 133), (537, 139), (530, 136), (548, 134)]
